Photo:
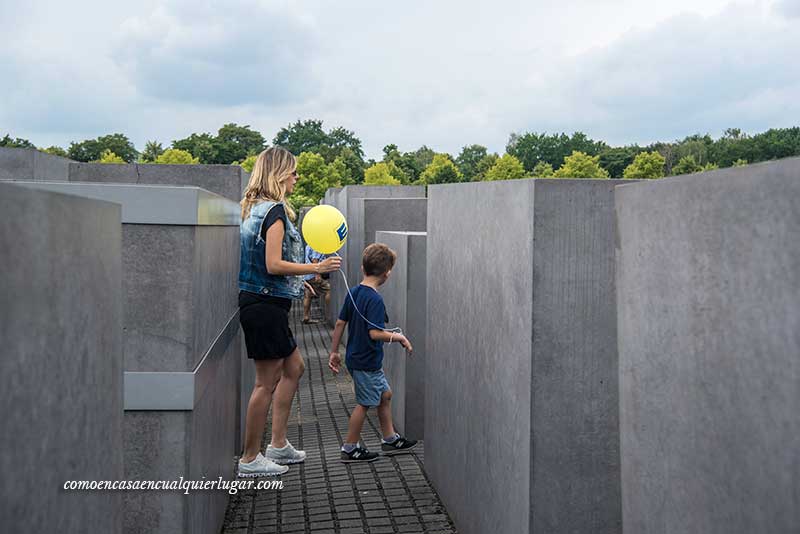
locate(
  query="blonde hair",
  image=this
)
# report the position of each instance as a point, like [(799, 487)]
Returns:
[(268, 180)]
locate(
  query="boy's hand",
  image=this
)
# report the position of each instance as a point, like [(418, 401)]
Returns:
[(406, 344), (335, 362)]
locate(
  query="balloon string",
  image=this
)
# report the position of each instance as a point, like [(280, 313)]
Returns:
[(395, 330)]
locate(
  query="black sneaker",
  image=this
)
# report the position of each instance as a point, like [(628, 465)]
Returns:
[(399, 446), (358, 455)]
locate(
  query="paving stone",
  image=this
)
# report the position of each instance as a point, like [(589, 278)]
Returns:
[(393, 494)]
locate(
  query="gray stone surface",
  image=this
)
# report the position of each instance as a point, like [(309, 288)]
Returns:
[(709, 330), (521, 345), (224, 180), (180, 289), (193, 444), (180, 292), (405, 297), (153, 204), (340, 198), (32, 164), (61, 364), (369, 215)]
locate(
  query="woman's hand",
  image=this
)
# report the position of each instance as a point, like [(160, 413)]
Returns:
[(329, 265), (335, 362)]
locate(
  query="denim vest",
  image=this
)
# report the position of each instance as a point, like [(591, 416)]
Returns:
[(253, 275)]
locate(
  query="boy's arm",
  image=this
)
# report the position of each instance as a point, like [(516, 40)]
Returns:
[(390, 337), (338, 330), (335, 359)]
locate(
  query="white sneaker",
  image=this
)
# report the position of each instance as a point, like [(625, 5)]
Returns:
[(286, 455), (260, 467)]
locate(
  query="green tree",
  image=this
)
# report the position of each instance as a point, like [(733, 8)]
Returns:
[(202, 146), (56, 151), (18, 142), (152, 149), (176, 156), (379, 174), (423, 157), (616, 159), (92, 149), (309, 136), (698, 146), (531, 148), (483, 166), (468, 159), (687, 165), (740, 163), (315, 177), (668, 150), (109, 157), (580, 165), (543, 170), (646, 165), (507, 168), (775, 143), (441, 170), (710, 167), (235, 143), (248, 163)]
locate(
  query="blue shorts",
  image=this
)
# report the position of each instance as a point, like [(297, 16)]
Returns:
[(369, 386)]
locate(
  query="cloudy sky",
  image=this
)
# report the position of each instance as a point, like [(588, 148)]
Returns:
[(440, 73)]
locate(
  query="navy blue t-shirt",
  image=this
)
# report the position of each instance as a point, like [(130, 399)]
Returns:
[(363, 353)]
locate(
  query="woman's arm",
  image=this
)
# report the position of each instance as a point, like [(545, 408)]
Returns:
[(278, 266)]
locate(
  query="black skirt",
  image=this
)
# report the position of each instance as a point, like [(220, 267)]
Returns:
[(265, 321)]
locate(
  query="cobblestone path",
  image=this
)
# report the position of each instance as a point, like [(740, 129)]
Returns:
[(324, 495)]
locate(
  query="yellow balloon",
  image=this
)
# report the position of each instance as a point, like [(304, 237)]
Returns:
[(324, 229)]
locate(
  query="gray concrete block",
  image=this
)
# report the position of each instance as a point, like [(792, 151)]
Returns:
[(61, 364), (123, 173), (224, 180), (180, 288), (32, 164), (153, 204), (369, 215), (521, 343), (195, 444), (405, 296), (340, 198), (365, 217), (709, 338)]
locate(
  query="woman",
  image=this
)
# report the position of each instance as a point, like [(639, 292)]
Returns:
[(270, 277)]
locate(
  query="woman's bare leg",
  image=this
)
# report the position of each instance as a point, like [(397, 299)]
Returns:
[(293, 368), (268, 373)]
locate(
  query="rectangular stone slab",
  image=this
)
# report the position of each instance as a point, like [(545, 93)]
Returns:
[(709, 326), (404, 294), (61, 364), (522, 355)]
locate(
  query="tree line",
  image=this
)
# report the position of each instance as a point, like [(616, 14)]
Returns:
[(335, 158)]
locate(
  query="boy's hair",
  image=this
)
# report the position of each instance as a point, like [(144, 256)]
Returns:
[(378, 259)]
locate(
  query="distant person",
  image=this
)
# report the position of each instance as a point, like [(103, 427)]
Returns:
[(364, 357), (316, 285), (270, 276)]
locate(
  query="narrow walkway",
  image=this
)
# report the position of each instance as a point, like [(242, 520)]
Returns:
[(323, 495)]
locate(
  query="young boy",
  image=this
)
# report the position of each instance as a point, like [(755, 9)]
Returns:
[(364, 357)]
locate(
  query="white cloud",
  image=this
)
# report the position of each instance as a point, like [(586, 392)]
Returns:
[(246, 53), (445, 74), (788, 8)]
